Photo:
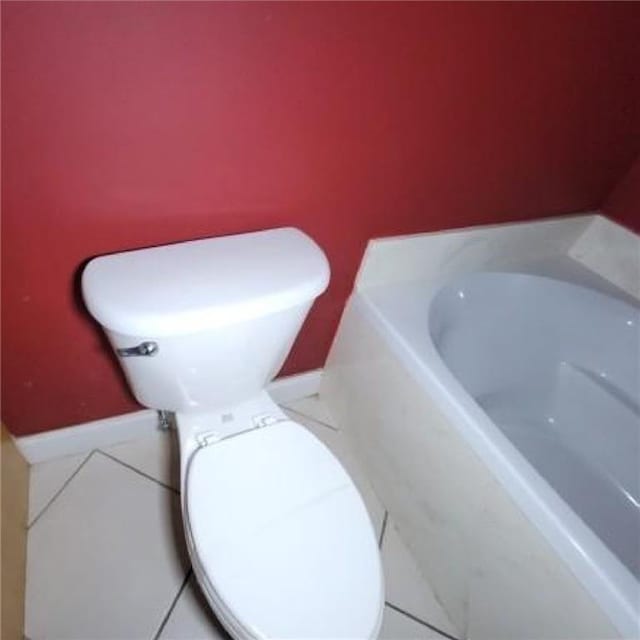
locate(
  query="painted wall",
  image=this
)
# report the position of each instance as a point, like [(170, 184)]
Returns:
[(133, 124), (623, 203)]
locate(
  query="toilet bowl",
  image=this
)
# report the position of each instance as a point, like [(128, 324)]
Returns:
[(279, 537)]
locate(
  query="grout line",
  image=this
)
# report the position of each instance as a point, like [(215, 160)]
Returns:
[(304, 415), (420, 621), (172, 606), (383, 529), (60, 490), (141, 473)]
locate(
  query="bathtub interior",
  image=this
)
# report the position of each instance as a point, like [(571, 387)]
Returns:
[(556, 368)]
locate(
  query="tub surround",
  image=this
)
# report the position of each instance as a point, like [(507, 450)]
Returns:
[(611, 251), (496, 574), (602, 246), (436, 257)]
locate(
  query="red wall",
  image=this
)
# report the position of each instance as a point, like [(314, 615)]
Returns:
[(623, 203), (132, 124)]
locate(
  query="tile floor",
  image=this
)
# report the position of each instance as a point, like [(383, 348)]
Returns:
[(106, 557)]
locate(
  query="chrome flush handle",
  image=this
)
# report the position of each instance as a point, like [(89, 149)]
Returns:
[(143, 349)]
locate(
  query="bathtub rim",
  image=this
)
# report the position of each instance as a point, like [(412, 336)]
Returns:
[(615, 588)]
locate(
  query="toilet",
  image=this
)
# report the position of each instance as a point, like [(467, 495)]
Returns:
[(279, 538)]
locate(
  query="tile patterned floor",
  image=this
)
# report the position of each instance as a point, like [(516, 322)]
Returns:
[(106, 557)]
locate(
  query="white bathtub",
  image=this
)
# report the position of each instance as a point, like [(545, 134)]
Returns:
[(555, 367), (499, 419)]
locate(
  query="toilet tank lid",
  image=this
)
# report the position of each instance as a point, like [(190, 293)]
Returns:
[(202, 284)]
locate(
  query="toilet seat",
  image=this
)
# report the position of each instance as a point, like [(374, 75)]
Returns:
[(280, 539)]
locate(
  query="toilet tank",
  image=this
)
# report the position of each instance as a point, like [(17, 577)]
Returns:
[(202, 324)]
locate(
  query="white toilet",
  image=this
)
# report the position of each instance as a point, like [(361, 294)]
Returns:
[(279, 538)]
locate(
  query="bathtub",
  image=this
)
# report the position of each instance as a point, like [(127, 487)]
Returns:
[(498, 415)]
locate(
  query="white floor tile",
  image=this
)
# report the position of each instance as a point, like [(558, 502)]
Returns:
[(47, 478), (106, 559), (155, 455), (192, 618), (312, 407), (338, 444), (397, 626), (406, 587)]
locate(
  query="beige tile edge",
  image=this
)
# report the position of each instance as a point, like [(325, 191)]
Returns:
[(14, 502), (612, 251), (295, 387)]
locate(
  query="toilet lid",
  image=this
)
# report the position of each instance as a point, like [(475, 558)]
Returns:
[(283, 537)]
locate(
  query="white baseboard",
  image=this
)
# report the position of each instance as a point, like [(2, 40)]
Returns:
[(87, 436), (130, 426)]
